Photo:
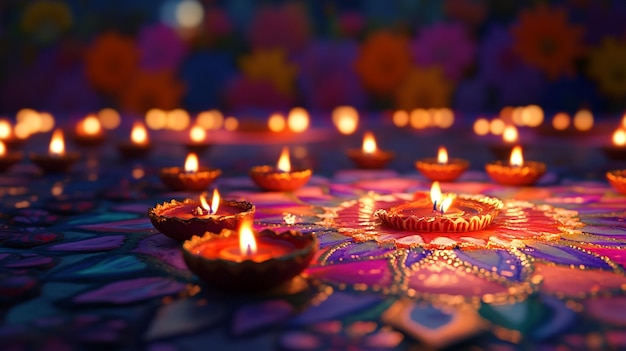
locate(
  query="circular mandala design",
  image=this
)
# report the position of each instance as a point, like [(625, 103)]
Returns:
[(517, 223)]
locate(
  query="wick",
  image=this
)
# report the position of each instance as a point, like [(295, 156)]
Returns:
[(248, 251), (435, 205), (197, 211)]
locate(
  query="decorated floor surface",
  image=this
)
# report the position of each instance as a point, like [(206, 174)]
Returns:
[(81, 267)]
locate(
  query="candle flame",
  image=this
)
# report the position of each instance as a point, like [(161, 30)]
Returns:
[(139, 134), (197, 134), (5, 129), (619, 137), (442, 155), (57, 145), (247, 242), (369, 143), (517, 158), (215, 201), (90, 125), (191, 163), (435, 194), (510, 134), (3, 149), (284, 165), (446, 203)]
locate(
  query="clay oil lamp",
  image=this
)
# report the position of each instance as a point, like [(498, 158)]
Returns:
[(282, 177), (517, 171), (197, 143), (56, 160), (442, 168), (88, 132), (139, 145), (437, 212), (617, 179), (369, 156), (192, 177), (181, 220), (617, 151), (248, 261), (8, 158)]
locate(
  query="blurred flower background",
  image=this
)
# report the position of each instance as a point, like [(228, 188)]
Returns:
[(77, 56)]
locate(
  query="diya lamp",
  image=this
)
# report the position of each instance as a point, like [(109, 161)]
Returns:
[(617, 179), (442, 169), (88, 132), (517, 171), (282, 177), (510, 137), (56, 160), (8, 158), (617, 151), (197, 140), (438, 212), (8, 137), (247, 261), (181, 220), (192, 177), (139, 145), (369, 156)]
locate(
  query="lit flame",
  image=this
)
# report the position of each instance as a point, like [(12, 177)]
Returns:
[(619, 137), (57, 145), (517, 159), (139, 134), (197, 134), (369, 143), (435, 194), (446, 203), (191, 163), (3, 149), (442, 155), (247, 242), (510, 134), (90, 125), (215, 202), (284, 165), (5, 129)]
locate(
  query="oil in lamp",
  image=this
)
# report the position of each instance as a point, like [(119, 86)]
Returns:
[(369, 156), (56, 160), (88, 132), (439, 212), (8, 158), (139, 145), (192, 177), (247, 261), (282, 177), (197, 143), (181, 220), (517, 171), (442, 168)]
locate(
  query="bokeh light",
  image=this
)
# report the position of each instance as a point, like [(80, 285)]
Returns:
[(400, 118), (156, 119), (109, 118), (178, 119), (298, 120), (496, 126), (420, 118), (211, 119), (561, 121), (583, 120), (346, 119), (481, 126), (276, 122), (231, 123)]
